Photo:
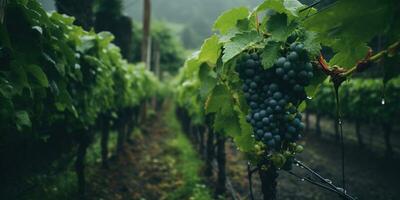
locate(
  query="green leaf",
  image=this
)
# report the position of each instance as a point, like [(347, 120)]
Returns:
[(302, 106), (210, 50), (228, 36), (6, 90), (23, 2), (270, 54), (18, 78), (22, 119), (350, 19), (88, 42), (208, 80), (349, 24), (214, 102), (289, 7), (63, 100), (38, 73), (279, 28), (311, 44), (49, 60), (244, 141), (244, 24), (38, 29), (348, 54), (292, 7), (227, 123), (229, 18), (239, 43)]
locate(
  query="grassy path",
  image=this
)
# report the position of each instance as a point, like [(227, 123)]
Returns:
[(159, 164)]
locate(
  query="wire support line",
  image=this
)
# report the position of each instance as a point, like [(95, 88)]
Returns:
[(323, 182)]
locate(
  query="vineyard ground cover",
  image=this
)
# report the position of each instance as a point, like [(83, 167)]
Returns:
[(369, 176), (159, 165)]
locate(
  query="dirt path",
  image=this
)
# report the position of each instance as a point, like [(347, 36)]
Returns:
[(151, 168), (142, 172)]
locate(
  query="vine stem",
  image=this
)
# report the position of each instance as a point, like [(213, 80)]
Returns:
[(340, 74)]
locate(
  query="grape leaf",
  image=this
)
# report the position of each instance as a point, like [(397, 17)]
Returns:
[(239, 43), (229, 18), (227, 123), (349, 24), (38, 73), (350, 19), (311, 44), (243, 24), (207, 79), (302, 106), (244, 141), (214, 102), (22, 120), (278, 27), (348, 53), (289, 7), (6, 90), (270, 54), (228, 36), (18, 76), (210, 50)]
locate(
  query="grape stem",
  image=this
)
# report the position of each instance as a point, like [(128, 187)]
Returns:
[(339, 74)]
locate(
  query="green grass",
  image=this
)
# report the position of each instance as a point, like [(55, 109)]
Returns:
[(188, 165)]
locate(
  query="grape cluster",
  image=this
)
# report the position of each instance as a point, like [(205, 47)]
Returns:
[(273, 95)]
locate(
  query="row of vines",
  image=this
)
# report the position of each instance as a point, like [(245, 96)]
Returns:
[(363, 101), (251, 79), (60, 86)]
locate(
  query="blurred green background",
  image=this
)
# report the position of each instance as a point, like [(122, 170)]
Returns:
[(191, 20)]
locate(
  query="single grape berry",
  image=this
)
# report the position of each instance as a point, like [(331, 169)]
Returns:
[(280, 61), (279, 71), (293, 56)]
